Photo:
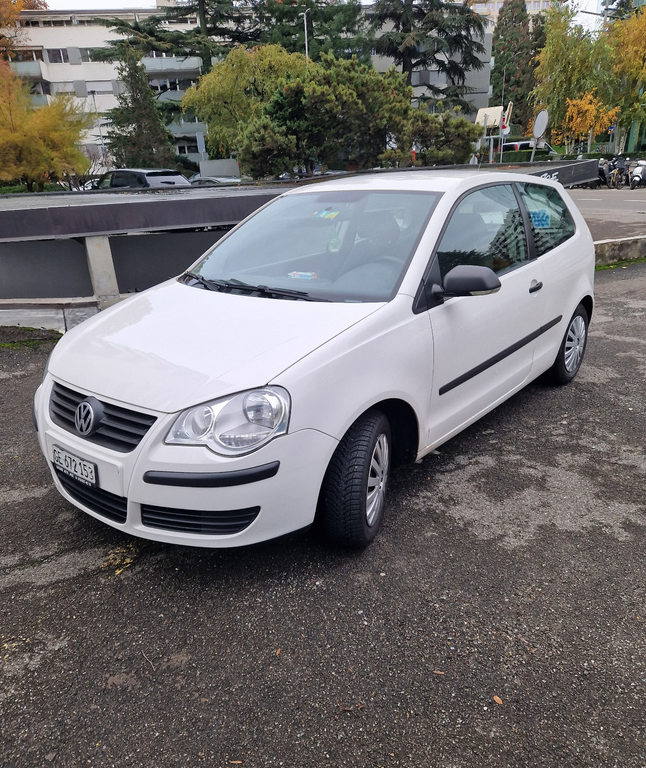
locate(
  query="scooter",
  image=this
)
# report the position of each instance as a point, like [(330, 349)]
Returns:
[(638, 175)]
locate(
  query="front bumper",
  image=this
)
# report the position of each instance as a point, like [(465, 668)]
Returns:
[(187, 494)]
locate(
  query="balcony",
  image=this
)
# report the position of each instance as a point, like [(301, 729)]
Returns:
[(172, 65), (29, 69)]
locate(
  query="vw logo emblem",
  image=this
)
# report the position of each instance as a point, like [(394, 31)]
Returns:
[(84, 418)]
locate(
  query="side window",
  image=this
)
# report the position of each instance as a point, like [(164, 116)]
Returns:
[(552, 223), (485, 229), (121, 179), (104, 182)]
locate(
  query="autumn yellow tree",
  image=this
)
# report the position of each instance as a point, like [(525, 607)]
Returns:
[(38, 144), (587, 116), (627, 40)]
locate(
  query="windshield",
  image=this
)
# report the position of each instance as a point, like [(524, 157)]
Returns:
[(328, 246)]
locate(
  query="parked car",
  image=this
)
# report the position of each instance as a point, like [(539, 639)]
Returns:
[(526, 145), (341, 329), (141, 178)]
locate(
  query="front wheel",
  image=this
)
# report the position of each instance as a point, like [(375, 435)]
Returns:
[(354, 489), (570, 355), (633, 183)]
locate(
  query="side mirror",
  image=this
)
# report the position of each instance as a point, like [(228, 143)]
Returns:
[(467, 280)]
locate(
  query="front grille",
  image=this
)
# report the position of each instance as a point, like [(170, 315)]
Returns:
[(119, 429), (102, 502), (207, 523)]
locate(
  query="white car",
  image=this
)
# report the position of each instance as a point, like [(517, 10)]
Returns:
[(341, 329)]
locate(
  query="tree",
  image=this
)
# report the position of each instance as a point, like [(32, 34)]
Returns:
[(332, 27), (512, 76), (566, 65), (345, 111), (627, 42), (38, 144), (222, 24), (137, 136), (588, 116), (441, 138), (432, 34), (229, 97)]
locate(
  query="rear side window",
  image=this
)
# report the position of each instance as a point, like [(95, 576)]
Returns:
[(552, 223), (486, 229)]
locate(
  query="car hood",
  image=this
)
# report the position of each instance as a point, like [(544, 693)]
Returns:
[(176, 345)]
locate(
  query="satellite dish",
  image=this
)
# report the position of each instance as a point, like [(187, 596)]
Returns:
[(540, 123)]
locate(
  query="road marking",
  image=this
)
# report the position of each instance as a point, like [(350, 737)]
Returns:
[(590, 199)]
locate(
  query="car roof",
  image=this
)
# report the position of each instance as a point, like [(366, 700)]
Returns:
[(147, 170), (440, 180)]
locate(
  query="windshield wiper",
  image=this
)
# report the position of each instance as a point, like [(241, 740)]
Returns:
[(238, 285), (211, 285), (262, 290)]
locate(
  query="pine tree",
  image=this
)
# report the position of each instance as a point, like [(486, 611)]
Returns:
[(137, 136), (432, 34), (512, 76)]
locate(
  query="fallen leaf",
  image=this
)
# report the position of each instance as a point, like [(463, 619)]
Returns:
[(498, 700), (437, 672), (278, 652)]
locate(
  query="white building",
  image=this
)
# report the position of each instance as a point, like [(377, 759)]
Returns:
[(56, 53)]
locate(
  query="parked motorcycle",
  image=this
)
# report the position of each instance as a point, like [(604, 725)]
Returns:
[(618, 174), (638, 175)]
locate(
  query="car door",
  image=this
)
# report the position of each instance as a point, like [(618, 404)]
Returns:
[(483, 345), (562, 256)]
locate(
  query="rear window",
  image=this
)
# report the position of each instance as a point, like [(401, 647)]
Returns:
[(154, 174), (552, 222)]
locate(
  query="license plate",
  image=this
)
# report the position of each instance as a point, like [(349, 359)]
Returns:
[(81, 470)]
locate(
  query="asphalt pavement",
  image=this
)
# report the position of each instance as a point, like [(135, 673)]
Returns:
[(498, 620)]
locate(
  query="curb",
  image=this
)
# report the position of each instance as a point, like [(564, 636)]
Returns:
[(620, 249)]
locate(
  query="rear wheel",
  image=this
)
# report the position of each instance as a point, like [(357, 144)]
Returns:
[(570, 356), (354, 489)]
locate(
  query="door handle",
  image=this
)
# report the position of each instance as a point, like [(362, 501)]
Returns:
[(535, 286)]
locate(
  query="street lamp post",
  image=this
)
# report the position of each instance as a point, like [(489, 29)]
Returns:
[(93, 95), (304, 15)]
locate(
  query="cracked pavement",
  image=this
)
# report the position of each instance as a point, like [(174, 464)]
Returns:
[(498, 619)]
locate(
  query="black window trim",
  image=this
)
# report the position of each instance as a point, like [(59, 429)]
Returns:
[(421, 301)]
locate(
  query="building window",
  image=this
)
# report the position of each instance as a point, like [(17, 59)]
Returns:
[(88, 54), (99, 86), (57, 55), (162, 84), (25, 54)]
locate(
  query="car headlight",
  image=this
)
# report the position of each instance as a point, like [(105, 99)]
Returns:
[(234, 425)]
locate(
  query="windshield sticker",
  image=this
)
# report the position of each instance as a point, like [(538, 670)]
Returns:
[(540, 219), (326, 213), (303, 275)]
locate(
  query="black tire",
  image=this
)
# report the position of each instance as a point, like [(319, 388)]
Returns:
[(348, 519), (570, 356), (633, 183)]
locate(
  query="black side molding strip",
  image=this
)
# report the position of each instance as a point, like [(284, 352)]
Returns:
[(500, 356), (212, 479)]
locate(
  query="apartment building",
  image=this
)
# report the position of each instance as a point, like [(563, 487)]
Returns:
[(57, 53)]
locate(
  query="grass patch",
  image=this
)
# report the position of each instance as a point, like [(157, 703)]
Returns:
[(617, 264), (13, 337)]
